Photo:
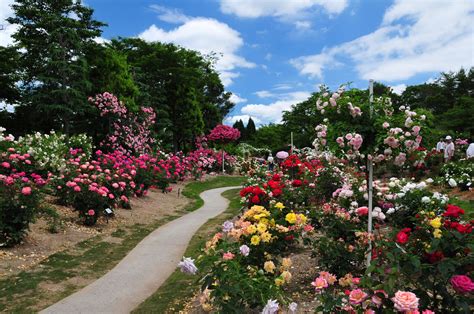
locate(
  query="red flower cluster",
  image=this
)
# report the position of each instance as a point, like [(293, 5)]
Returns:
[(453, 211), (403, 235), (255, 194), (223, 133)]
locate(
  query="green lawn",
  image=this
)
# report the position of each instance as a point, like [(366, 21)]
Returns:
[(179, 287), (193, 189), (32, 290)]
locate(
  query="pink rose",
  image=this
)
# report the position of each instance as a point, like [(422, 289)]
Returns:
[(462, 283), (362, 211), (319, 283), (405, 301), (228, 256), (91, 212), (357, 296), (26, 190)]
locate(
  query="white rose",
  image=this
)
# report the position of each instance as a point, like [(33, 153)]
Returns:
[(452, 183), (390, 211), (425, 199)]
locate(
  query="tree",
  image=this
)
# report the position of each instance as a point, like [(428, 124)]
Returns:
[(54, 35), (181, 85), (460, 118), (8, 74), (250, 130), (110, 72), (239, 125), (270, 136)]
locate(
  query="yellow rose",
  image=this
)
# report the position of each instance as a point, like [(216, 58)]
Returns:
[(286, 275), (261, 228), (291, 218), (437, 233), (279, 205), (251, 229), (269, 267), (279, 281), (436, 223), (255, 240), (302, 219), (286, 263), (266, 237)]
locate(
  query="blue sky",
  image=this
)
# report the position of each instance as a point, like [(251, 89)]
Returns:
[(276, 52)]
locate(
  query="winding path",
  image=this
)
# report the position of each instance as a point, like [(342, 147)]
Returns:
[(146, 267)]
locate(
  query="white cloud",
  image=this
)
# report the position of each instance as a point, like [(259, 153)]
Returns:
[(279, 8), (8, 29), (101, 40), (264, 94), (245, 118), (207, 36), (415, 37), (399, 89), (236, 99), (267, 113), (169, 15), (303, 25)]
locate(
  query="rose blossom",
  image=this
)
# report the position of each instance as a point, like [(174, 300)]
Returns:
[(228, 256), (187, 266), (405, 301), (357, 296), (462, 283), (362, 211), (26, 190), (244, 250)]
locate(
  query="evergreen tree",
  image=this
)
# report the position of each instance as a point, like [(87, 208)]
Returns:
[(54, 35), (250, 130), (239, 125)]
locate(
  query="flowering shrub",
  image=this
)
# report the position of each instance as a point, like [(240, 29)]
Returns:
[(458, 173), (52, 150), (130, 133), (20, 195), (223, 133)]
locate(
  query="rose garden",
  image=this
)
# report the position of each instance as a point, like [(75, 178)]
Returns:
[(362, 215)]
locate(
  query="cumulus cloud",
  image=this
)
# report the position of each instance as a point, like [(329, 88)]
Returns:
[(207, 36), (300, 13), (272, 112), (245, 118), (399, 89), (236, 99), (409, 41), (279, 8)]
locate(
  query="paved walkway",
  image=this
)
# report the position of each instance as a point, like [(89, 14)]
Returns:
[(146, 267)]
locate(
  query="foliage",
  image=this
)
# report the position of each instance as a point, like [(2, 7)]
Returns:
[(53, 38)]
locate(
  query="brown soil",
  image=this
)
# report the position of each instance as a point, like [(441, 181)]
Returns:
[(40, 243)]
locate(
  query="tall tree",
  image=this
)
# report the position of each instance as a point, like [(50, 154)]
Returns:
[(53, 36), (110, 72), (250, 129), (239, 125), (8, 74), (181, 85)]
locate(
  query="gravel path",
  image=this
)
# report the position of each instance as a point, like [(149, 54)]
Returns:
[(146, 267)]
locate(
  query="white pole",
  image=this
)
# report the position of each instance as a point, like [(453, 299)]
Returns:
[(223, 161), (292, 142), (371, 177)]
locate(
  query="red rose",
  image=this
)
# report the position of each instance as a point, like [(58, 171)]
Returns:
[(276, 177), (402, 237), (273, 184), (276, 192), (453, 211), (297, 183), (255, 199), (434, 257), (466, 228)]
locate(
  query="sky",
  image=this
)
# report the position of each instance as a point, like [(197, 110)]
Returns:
[(275, 53)]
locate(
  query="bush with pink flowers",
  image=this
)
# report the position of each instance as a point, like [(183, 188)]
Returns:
[(20, 195)]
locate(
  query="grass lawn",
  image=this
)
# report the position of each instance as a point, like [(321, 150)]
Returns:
[(65, 272), (193, 189), (179, 287)]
